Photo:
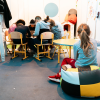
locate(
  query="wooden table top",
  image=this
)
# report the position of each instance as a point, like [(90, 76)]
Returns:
[(65, 42)]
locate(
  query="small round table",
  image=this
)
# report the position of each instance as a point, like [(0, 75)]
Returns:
[(64, 42)]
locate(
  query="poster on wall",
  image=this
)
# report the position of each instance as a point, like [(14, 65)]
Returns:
[(91, 16), (98, 22), (92, 8), (98, 9)]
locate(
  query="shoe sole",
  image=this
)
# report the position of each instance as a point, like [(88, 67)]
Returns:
[(55, 80)]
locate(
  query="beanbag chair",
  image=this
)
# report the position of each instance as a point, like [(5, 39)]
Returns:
[(72, 18), (81, 82)]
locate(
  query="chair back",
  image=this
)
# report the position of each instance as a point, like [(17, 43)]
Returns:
[(16, 35), (47, 35)]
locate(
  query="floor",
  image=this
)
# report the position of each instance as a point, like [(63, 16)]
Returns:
[(28, 79)]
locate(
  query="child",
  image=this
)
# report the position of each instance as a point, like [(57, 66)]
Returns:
[(32, 25), (41, 26), (85, 52), (54, 29)]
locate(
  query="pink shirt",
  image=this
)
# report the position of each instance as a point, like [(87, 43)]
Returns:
[(12, 28)]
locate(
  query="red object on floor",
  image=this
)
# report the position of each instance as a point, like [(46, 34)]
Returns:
[(55, 78)]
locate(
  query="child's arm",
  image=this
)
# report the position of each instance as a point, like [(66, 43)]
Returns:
[(75, 52), (37, 29)]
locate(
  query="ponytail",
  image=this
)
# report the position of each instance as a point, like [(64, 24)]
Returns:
[(47, 18), (84, 32)]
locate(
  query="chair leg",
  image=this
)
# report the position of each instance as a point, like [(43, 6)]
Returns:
[(22, 48), (63, 53), (25, 53), (67, 48), (14, 54), (59, 50), (54, 51), (44, 49), (38, 54), (49, 53)]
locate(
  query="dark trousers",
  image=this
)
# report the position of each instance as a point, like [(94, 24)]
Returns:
[(18, 41), (32, 42)]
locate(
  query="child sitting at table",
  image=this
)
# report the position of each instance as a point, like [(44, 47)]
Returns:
[(54, 29), (41, 26), (32, 26), (85, 52)]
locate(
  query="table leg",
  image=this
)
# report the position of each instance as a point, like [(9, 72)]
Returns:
[(69, 51), (59, 50)]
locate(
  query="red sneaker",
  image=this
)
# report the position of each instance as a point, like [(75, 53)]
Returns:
[(55, 78)]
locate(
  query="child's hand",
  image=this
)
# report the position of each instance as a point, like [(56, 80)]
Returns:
[(64, 67)]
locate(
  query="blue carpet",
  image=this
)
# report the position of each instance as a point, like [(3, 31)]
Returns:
[(27, 80)]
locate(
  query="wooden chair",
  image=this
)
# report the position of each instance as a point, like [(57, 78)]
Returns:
[(18, 35), (45, 36), (61, 47)]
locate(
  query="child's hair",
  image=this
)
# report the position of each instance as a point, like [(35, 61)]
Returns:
[(52, 23), (84, 32), (47, 18), (32, 21), (20, 21), (37, 18)]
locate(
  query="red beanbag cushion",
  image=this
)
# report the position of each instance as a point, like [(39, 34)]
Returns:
[(72, 19)]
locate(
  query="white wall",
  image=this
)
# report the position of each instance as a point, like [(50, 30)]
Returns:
[(82, 11), (28, 9), (82, 7), (65, 6)]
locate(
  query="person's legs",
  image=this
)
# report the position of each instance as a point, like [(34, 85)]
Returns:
[(65, 61), (31, 44), (68, 61)]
